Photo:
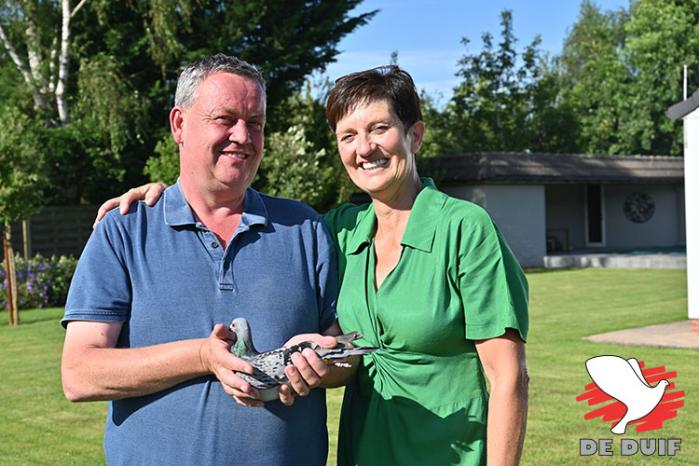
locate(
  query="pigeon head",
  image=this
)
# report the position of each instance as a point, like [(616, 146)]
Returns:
[(242, 343)]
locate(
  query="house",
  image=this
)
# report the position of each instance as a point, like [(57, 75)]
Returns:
[(688, 110), (551, 206)]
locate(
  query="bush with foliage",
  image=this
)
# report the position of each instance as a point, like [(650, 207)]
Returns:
[(164, 165), (41, 282), (294, 169)]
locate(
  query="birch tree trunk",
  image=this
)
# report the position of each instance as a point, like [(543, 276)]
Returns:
[(44, 73), (61, 102), (39, 99)]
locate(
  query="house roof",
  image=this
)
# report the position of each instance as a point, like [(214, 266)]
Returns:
[(684, 108), (538, 168)]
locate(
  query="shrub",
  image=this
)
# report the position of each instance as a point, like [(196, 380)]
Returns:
[(41, 282)]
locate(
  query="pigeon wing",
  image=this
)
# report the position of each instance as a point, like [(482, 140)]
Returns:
[(268, 367), (637, 369), (612, 374)]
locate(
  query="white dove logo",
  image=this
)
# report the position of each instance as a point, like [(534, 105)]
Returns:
[(623, 380)]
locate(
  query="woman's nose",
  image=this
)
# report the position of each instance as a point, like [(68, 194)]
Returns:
[(364, 145)]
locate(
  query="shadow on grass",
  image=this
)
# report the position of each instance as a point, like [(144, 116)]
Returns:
[(34, 316)]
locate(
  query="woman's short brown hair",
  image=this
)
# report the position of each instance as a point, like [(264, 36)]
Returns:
[(388, 83)]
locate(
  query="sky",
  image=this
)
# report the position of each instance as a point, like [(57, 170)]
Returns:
[(427, 34)]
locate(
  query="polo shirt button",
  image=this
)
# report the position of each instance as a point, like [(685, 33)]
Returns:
[(214, 244)]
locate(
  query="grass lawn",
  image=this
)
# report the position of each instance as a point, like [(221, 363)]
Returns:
[(38, 426)]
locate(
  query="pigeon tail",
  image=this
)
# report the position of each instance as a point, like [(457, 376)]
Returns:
[(620, 426)]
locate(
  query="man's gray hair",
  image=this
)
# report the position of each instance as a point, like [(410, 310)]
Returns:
[(199, 70)]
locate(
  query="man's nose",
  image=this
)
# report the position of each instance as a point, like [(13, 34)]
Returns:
[(239, 132)]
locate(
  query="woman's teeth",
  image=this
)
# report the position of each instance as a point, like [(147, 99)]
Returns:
[(375, 164)]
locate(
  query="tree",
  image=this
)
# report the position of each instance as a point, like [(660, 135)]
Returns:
[(596, 76), (124, 58), (22, 173), (43, 60), (662, 36), (293, 169), (506, 101), (623, 69)]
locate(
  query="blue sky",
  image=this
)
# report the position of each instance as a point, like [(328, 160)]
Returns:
[(427, 34)]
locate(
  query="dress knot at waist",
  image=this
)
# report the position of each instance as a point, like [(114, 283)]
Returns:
[(441, 384)]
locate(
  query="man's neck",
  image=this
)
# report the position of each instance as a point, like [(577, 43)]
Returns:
[(219, 211)]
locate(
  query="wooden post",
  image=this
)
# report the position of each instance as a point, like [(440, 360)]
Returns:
[(10, 277), (26, 239)]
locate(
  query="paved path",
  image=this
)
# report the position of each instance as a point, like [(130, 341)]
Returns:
[(682, 334), (617, 260)]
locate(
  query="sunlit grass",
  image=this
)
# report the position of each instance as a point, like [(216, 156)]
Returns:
[(38, 426)]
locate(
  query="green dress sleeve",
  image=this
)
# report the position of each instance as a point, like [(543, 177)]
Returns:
[(494, 289)]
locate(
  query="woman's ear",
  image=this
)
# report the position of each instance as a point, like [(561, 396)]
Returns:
[(417, 133)]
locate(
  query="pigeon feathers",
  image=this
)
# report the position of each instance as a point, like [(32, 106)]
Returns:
[(268, 367)]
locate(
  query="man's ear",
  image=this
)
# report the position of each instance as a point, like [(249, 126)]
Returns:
[(176, 124), (417, 133)]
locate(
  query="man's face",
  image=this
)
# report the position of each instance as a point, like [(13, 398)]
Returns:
[(221, 135)]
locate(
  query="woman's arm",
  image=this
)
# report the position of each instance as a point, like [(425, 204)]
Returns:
[(504, 362)]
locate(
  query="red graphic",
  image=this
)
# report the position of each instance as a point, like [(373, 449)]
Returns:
[(612, 412), (695, 325)]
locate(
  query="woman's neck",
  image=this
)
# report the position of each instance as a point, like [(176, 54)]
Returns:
[(393, 212)]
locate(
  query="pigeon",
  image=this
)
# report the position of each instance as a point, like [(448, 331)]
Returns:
[(623, 380), (268, 367)]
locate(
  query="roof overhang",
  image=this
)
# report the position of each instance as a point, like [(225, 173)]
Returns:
[(684, 108), (536, 168)]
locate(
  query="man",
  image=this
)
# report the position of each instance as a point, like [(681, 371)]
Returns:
[(150, 286)]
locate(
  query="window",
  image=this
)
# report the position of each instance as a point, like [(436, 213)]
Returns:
[(594, 214)]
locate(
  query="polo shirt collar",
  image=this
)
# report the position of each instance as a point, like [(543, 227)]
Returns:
[(419, 233), (178, 213)]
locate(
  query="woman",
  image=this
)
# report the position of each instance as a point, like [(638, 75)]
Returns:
[(428, 279)]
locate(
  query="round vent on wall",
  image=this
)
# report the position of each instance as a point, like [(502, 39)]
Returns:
[(639, 207)]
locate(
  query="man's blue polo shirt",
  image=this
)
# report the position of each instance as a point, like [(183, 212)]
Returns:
[(165, 275)]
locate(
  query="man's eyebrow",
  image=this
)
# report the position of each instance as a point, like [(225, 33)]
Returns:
[(226, 110), (232, 111)]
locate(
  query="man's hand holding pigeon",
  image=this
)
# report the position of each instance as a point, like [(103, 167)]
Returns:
[(216, 358)]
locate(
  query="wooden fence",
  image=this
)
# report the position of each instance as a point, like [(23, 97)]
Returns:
[(54, 231)]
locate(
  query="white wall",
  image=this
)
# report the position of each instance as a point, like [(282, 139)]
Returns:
[(519, 212), (664, 229), (691, 186)]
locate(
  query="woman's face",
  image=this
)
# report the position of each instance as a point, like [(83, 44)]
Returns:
[(375, 149)]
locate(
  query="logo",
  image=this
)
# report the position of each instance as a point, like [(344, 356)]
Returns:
[(627, 395)]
